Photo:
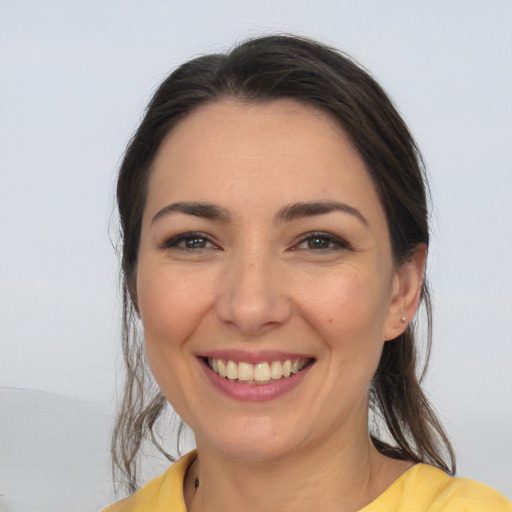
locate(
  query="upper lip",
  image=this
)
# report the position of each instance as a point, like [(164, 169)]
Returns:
[(253, 357)]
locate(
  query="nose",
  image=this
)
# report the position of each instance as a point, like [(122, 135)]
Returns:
[(252, 299)]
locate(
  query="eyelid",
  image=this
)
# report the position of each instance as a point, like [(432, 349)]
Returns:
[(339, 243), (173, 241)]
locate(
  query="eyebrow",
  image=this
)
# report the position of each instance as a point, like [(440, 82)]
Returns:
[(204, 210), (287, 214), (310, 209)]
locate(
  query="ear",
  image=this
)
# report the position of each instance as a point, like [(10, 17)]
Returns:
[(405, 293)]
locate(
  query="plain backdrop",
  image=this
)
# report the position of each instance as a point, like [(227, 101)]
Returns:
[(74, 79)]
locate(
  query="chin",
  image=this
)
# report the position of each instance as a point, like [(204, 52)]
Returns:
[(256, 443)]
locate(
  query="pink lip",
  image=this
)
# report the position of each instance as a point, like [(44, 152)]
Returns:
[(253, 392)]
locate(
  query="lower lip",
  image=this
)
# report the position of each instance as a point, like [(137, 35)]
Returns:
[(254, 392)]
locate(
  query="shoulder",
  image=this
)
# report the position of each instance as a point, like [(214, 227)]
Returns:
[(162, 493), (428, 489), (448, 493)]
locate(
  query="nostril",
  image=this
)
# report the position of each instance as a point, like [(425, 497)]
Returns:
[(253, 314)]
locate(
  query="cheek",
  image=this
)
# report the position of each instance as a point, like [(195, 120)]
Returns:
[(170, 306), (346, 303)]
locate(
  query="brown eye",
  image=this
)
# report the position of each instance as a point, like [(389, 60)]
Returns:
[(321, 242), (189, 241), (318, 242), (195, 243)]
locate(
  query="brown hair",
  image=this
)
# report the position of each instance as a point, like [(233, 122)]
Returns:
[(259, 70)]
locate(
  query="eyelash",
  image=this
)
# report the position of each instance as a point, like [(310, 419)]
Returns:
[(174, 241), (334, 243)]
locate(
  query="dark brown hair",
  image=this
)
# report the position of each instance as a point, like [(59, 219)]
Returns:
[(260, 70)]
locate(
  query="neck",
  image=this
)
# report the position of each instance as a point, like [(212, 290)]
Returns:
[(341, 477)]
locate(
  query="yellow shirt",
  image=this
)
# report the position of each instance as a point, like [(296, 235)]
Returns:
[(422, 488)]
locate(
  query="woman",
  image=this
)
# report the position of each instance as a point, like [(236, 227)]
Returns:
[(274, 227)]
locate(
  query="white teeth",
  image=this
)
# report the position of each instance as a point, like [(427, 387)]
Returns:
[(260, 372), (232, 370), (287, 368), (222, 368), (276, 370), (245, 371)]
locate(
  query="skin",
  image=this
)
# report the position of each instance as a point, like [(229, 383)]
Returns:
[(254, 283)]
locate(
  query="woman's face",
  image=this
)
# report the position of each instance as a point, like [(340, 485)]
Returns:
[(264, 250)]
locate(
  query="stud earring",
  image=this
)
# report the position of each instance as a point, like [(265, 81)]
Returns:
[(403, 319)]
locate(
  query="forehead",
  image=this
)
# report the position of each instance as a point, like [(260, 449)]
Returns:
[(281, 150), (234, 128)]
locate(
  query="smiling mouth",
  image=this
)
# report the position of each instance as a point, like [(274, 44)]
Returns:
[(259, 373)]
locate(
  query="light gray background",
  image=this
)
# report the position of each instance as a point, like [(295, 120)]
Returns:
[(75, 77)]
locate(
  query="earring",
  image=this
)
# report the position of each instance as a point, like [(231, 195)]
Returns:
[(403, 319)]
